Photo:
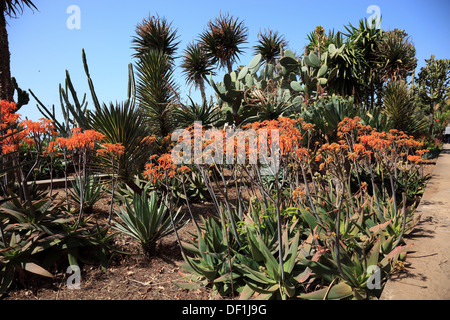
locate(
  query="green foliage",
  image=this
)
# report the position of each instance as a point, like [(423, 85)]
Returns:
[(433, 87), (147, 219), (122, 123), (155, 33), (206, 113), (197, 67), (40, 234), (327, 113), (156, 92), (270, 45), (93, 191), (398, 104), (222, 40), (262, 92)]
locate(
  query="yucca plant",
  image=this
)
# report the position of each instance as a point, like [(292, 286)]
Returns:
[(155, 45), (398, 104), (156, 92), (147, 219), (155, 33)]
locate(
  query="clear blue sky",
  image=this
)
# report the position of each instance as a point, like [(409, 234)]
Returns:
[(42, 47)]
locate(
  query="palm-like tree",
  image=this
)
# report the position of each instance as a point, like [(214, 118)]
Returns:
[(396, 55), (196, 67), (155, 45), (155, 33), (366, 38), (223, 39), (270, 45), (156, 92), (8, 8), (399, 105)]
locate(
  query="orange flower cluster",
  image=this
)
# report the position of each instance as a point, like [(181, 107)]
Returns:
[(362, 143), (80, 140), (290, 136), (163, 168), (114, 149), (7, 115), (9, 137), (33, 131), (44, 126)]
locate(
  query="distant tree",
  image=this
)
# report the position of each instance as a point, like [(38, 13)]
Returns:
[(155, 45), (8, 8), (396, 56), (196, 67), (433, 85), (223, 40), (270, 45), (155, 33)]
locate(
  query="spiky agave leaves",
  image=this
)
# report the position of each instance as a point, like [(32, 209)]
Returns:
[(147, 219), (398, 104), (223, 40)]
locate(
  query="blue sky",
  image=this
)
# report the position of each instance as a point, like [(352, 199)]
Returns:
[(43, 47)]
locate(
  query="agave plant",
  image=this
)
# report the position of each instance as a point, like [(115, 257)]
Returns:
[(38, 233), (147, 219), (122, 123), (210, 263)]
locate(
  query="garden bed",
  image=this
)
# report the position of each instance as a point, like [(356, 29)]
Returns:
[(129, 276)]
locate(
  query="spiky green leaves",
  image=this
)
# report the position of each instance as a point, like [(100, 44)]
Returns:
[(197, 66), (270, 45), (156, 91), (155, 33), (223, 40)]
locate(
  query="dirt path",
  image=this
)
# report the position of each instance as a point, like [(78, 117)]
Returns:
[(427, 272)]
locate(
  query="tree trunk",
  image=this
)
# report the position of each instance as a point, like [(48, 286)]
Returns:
[(431, 118), (202, 89), (6, 87)]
